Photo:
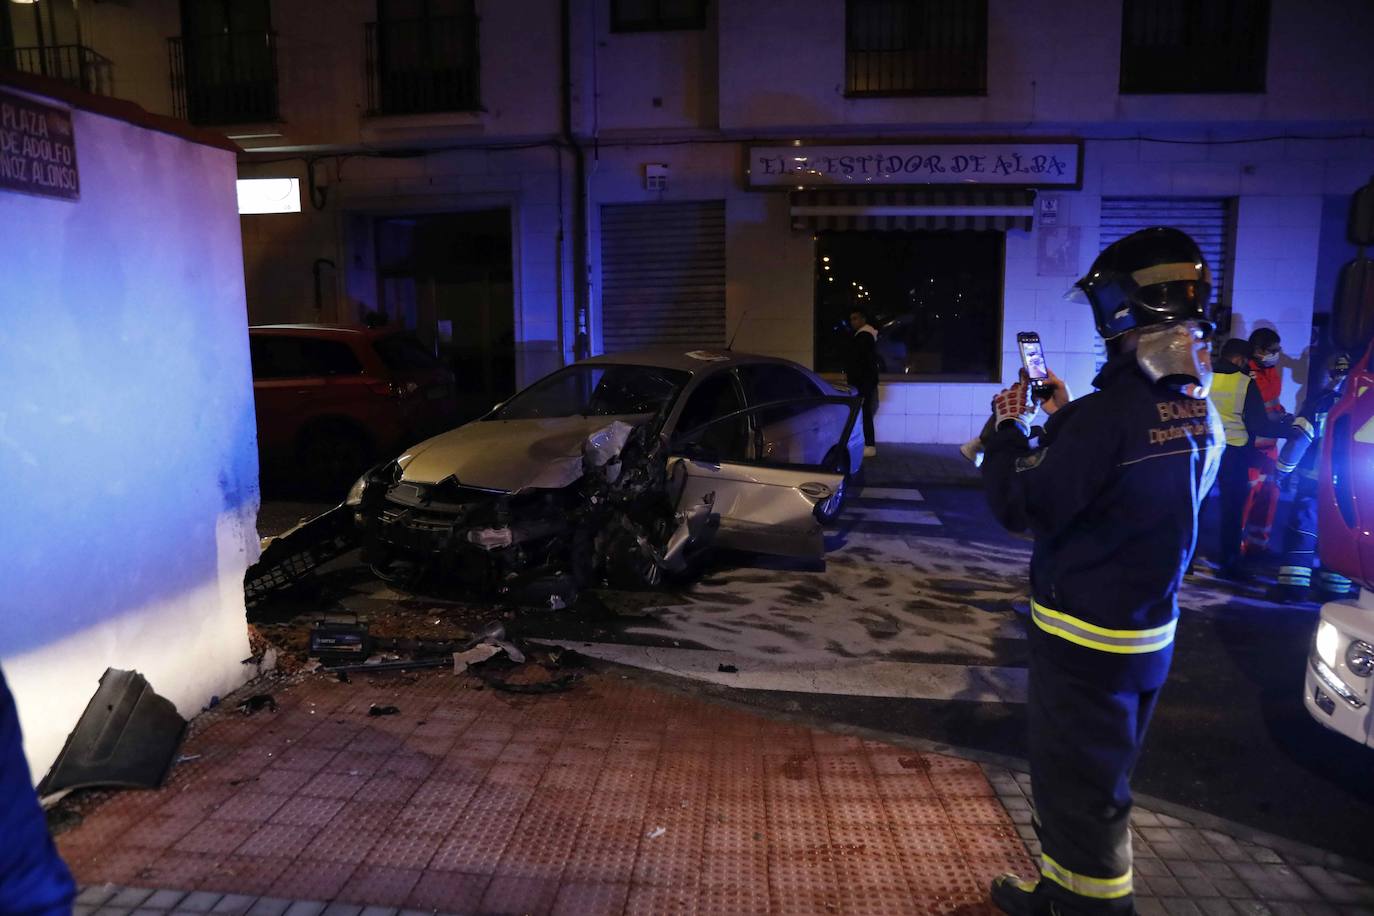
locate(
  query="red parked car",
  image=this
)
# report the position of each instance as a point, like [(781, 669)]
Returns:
[(332, 399)]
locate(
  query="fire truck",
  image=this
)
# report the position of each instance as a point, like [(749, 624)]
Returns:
[(1339, 687)]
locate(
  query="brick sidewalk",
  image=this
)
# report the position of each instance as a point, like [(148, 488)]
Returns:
[(613, 797)]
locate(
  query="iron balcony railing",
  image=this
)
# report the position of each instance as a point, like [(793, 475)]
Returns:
[(916, 47), (74, 64), (229, 78), (422, 65)]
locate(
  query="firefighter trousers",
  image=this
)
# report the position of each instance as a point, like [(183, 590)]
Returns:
[(1084, 743)]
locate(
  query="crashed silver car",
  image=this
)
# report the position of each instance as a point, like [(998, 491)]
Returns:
[(618, 468)]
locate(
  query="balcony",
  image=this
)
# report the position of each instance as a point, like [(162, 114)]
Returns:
[(77, 65), (229, 78), (916, 47), (422, 66)]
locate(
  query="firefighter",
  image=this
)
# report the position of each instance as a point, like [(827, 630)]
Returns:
[(1246, 420), (1262, 500), (1297, 465), (1110, 492)]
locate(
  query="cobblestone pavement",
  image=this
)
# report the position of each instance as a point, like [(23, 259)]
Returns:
[(615, 797)]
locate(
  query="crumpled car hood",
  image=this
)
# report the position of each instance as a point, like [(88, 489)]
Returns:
[(506, 454)]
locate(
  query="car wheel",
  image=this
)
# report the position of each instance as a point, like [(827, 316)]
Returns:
[(331, 458), (828, 509)]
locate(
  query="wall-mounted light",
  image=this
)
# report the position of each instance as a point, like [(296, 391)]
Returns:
[(269, 195)]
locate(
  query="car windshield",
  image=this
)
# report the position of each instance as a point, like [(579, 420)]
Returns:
[(596, 391)]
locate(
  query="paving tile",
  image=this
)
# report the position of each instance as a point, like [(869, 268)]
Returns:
[(342, 909), (449, 891), (307, 811), (372, 884), (249, 805), (269, 906), (306, 908), (128, 897), (96, 894), (234, 904), (676, 900), (284, 841), (214, 837), (200, 901), (313, 879), (245, 874)]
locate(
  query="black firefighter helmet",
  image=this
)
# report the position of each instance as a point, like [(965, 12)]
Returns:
[(1149, 277)]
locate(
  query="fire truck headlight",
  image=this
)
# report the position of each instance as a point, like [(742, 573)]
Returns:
[(1328, 638), (1359, 658)]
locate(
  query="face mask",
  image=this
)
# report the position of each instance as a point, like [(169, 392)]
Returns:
[(1267, 360), (1176, 355)]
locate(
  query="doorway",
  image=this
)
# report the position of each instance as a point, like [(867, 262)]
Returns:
[(448, 278)]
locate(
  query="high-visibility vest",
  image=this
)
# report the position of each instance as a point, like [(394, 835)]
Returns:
[(1228, 397)]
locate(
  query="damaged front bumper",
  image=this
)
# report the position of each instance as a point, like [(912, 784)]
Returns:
[(611, 515)]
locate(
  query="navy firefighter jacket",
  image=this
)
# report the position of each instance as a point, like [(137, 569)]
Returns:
[(1112, 495)]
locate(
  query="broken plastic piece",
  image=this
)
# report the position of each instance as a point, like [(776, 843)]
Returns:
[(605, 445), (128, 736), (375, 710), (491, 538), (727, 669), (292, 557), (656, 833), (474, 656), (258, 702)]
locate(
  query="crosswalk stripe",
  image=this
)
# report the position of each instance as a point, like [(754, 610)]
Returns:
[(890, 516), (893, 680), (899, 493)]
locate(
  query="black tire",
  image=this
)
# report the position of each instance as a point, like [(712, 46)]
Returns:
[(330, 457), (829, 509)]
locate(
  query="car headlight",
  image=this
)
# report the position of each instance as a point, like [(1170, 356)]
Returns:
[(1359, 658), (355, 492), (1328, 638)]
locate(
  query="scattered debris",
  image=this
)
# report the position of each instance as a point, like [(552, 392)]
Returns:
[(476, 655), (727, 669), (258, 702), (128, 736), (337, 638), (375, 710), (656, 833), (291, 559), (187, 758)]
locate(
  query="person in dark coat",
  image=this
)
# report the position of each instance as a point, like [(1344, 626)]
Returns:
[(33, 878), (1111, 493), (861, 371)]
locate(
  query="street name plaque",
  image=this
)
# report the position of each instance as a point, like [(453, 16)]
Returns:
[(37, 148)]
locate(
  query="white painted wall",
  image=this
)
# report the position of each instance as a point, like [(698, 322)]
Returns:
[(126, 432)]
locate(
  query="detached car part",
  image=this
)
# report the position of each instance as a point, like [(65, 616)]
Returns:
[(128, 736)]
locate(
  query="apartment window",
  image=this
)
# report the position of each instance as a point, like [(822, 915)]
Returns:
[(935, 298), (1177, 46), (45, 38), (224, 64), (657, 15), (916, 47), (422, 56)]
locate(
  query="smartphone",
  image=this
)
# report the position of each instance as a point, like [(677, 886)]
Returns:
[(1033, 358)]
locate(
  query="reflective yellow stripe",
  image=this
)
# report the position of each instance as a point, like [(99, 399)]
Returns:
[(1303, 424), (1084, 886), (1092, 636)]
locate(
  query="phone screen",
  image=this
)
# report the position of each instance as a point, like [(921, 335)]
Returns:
[(1033, 357)]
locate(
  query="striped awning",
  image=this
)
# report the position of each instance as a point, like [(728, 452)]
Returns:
[(955, 208)]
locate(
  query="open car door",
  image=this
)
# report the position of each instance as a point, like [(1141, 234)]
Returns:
[(769, 467)]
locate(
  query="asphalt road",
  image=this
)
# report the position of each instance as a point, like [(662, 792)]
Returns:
[(911, 626)]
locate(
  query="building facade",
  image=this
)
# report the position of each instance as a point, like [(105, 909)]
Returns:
[(525, 182)]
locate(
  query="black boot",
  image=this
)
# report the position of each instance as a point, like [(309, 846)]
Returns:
[(1016, 896)]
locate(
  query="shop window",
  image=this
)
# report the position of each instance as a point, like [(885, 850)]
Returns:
[(657, 15), (935, 298), (916, 47), (1178, 46)]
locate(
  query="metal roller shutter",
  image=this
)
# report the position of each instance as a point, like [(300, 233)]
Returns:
[(663, 275), (1207, 219)]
